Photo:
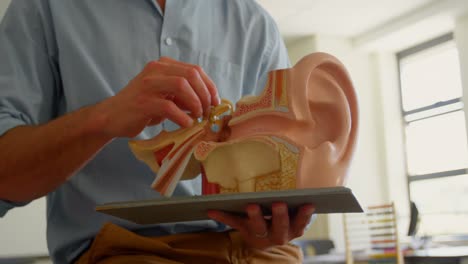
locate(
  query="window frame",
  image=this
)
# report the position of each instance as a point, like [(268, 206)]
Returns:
[(445, 38)]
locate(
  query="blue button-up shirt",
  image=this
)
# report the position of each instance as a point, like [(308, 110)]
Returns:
[(57, 56)]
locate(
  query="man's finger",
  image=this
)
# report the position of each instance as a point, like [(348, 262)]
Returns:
[(190, 73), (233, 221), (280, 223), (178, 88), (168, 109), (301, 220), (256, 223), (206, 79)]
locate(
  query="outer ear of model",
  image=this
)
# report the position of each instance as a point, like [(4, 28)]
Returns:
[(299, 133)]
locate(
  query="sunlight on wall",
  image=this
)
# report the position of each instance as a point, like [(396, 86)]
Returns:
[(3, 6)]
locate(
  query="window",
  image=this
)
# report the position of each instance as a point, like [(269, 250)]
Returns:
[(435, 135)]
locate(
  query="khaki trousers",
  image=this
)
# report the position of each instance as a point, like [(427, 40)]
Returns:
[(114, 244)]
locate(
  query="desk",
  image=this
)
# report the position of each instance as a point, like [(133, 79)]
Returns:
[(337, 258), (326, 258), (443, 255)]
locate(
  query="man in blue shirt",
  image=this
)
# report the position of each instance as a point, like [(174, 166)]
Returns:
[(78, 78)]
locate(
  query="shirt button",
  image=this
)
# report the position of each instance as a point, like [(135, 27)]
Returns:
[(168, 41)]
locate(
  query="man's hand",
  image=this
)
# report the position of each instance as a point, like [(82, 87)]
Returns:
[(164, 89), (259, 233)]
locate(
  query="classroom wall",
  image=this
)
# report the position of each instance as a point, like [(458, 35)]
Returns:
[(23, 231), (461, 38), (3, 6)]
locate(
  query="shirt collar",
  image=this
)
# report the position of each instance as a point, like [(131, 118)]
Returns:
[(155, 4)]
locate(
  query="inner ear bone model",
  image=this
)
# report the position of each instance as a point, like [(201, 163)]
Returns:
[(299, 133)]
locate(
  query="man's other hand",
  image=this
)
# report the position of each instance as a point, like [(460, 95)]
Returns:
[(261, 233)]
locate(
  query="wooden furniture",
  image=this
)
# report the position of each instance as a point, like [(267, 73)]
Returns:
[(373, 235)]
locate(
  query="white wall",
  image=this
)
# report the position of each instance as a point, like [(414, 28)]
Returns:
[(23, 231), (393, 135), (3, 6), (301, 47), (461, 38)]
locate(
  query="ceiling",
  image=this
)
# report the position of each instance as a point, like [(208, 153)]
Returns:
[(347, 18)]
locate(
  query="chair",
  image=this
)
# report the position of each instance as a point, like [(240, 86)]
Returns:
[(414, 219), (314, 247), (372, 237)]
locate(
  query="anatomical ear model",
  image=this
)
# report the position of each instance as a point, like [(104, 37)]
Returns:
[(299, 133)]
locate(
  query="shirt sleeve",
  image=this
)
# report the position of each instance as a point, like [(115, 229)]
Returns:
[(28, 74), (275, 55)]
